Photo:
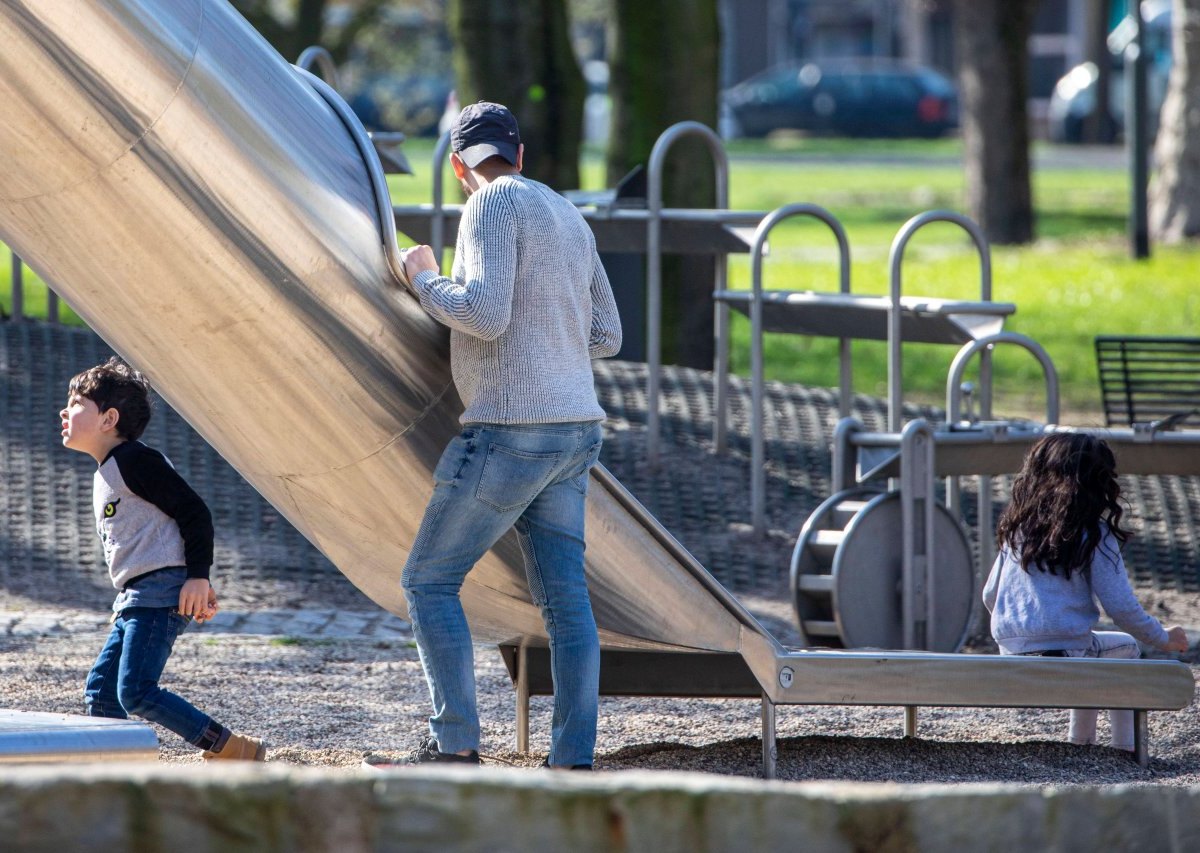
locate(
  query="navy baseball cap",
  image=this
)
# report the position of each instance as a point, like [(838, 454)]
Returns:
[(485, 130)]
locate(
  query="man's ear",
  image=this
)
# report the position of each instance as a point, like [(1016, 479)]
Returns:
[(520, 156), (459, 167)]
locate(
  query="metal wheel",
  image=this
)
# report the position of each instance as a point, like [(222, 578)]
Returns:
[(846, 575)]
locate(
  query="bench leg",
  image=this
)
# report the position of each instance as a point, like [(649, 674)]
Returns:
[(770, 751), (522, 700), (910, 720), (1141, 737)]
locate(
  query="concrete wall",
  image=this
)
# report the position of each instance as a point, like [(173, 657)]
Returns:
[(277, 808)]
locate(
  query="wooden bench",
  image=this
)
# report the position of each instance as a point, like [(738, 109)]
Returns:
[(909, 680), (1149, 380)]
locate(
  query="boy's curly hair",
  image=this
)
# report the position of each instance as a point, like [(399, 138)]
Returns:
[(116, 385), (1066, 489)]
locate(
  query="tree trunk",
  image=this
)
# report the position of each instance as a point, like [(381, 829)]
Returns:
[(1175, 191), (664, 57), (992, 38), (520, 55)]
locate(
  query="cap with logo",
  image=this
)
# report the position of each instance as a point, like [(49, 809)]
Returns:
[(485, 130)]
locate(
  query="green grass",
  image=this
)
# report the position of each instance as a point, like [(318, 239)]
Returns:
[(1075, 282)]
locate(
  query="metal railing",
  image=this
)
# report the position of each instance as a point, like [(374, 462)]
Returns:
[(654, 206), (758, 475)]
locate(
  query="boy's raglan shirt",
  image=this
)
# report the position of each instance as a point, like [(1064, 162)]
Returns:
[(149, 518)]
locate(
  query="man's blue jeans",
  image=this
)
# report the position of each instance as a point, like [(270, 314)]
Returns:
[(124, 679), (491, 478)]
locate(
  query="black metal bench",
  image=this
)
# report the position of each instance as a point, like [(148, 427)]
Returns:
[(1149, 380)]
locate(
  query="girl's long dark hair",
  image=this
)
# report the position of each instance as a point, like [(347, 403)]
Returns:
[(1065, 491)]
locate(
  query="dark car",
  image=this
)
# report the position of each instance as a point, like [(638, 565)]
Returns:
[(849, 97)]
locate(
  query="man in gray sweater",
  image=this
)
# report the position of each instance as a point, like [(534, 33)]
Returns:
[(528, 305)]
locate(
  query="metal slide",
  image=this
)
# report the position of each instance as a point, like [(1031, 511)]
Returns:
[(209, 210)]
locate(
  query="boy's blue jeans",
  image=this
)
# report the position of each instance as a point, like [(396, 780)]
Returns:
[(491, 478), (124, 679)]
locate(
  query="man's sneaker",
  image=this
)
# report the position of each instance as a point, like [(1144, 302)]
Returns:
[(428, 753), (546, 765)]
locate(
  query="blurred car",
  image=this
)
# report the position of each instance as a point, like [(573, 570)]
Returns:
[(412, 104), (846, 97), (1074, 96)]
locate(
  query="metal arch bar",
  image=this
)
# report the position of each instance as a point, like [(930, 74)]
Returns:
[(895, 257), (437, 224), (959, 366), (379, 187), (758, 476), (654, 205), (322, 59), (954, 400)]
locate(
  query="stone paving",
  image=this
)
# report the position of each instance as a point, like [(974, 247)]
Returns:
[(306, 624)]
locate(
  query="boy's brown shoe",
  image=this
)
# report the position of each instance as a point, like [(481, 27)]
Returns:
[(239, 748)]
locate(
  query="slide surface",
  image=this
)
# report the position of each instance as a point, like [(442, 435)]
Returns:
[(200, 204)]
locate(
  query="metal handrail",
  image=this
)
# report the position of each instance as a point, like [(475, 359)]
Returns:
[(958, 366), (654, 205), (895, 257), (322, 59), (379, 187), (964, 355), (757, 382)]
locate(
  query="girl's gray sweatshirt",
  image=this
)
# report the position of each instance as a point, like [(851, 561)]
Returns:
[(1036, 611), (528, 305)]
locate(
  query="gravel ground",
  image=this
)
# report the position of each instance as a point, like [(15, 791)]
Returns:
[(330, 702)]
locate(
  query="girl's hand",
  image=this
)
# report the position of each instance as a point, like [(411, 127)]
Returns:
[(1177, 640)]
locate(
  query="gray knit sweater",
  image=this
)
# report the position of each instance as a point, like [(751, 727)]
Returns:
[(528, 305), (1036, 611)]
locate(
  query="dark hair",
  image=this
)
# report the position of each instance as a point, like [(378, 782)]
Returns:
[(1066, 489), (116, 385)]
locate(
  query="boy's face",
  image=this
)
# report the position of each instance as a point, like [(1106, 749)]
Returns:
[(86, 429)]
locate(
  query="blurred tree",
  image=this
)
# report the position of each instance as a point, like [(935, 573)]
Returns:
[(520, 55), (292, 25), (664, 58), (991, 37), (1175, 191)]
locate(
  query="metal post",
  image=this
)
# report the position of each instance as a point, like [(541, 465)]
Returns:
[(51, 306), (770, 750), (1141, 737), (522, 699), (18, 287), (654, 207), (917, 518), (437, 221), (1135, 134), (910, 720), (845, 466), (721, 376)]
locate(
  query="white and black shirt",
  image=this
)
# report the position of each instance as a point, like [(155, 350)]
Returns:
[(148, 517)]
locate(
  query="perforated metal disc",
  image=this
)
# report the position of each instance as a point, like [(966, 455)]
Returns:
[(867, 573)]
